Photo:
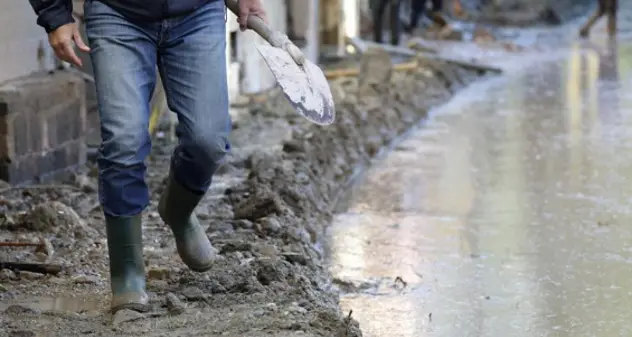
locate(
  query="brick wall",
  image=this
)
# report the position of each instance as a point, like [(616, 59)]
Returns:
[(42, 126)]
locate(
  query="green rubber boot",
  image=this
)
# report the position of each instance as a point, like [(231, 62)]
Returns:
[(127, 268), (176, 210)]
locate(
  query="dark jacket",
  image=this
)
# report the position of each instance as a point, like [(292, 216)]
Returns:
[(54, 13)]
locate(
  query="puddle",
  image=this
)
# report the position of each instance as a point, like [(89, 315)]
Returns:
[(506, 215)]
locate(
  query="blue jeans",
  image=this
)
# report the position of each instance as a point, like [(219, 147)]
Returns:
[(189, 52)]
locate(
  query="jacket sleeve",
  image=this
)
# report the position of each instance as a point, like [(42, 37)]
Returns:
[(51, 14)]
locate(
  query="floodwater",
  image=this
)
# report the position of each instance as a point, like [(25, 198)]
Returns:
[(507, 214)]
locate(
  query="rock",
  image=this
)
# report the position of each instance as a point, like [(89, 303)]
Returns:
[(299, 234), (267, 250), (291, 146), (85, 183), (56, 280), (272, 306), (126, 315), (85, 279), (296, 309), (174, 305), (27, 275), (258, 312), (158, 273), (271, 225), (22, 333), (157, 284), (52, 216), (235, 246), (193, 294), (7, 274), (263, 203), (260, 160), (243, 223), (17, 309), (295, 258)]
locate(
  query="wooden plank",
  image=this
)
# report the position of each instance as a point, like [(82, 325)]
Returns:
[(363, 45), (348, 72)]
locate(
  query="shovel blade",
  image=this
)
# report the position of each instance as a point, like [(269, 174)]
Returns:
[(305, 87)]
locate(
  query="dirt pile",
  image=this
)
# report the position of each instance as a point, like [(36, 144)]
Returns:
[(266, 214)]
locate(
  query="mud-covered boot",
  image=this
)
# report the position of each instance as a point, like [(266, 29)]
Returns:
[(176, 210), (127, 268)]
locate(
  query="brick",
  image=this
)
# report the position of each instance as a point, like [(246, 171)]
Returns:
[(46, 165), (63, 124), (20, 135), (36, 125)]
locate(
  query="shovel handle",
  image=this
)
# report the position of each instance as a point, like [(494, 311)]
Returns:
[(275, 38)]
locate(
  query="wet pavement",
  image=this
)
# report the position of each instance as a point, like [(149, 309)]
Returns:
[(507, 214)]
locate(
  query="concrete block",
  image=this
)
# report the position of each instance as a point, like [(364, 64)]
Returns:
[(42, 126)]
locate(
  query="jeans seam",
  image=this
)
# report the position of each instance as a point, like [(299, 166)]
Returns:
[(163, 73)]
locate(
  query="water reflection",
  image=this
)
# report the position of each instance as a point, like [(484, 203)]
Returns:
[(507, 215)]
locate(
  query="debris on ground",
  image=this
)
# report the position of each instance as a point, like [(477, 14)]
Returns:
[(266, 213)]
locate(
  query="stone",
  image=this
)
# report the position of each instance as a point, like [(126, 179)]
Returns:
[(27, 275), (7, 274), (52, 216), (17, 309), (126, 315), (193, 294), (85, 279), (295, 258), (174, 305), (158, 273), (244, 224), (271, 224)]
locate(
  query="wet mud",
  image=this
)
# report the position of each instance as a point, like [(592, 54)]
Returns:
[(266, 213)]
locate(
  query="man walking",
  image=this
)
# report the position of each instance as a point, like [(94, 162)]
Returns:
[(381, 7), (128, 39), (605, 7), (418, 9)]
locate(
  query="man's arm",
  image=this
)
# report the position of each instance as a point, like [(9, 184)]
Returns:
[(52, 14)]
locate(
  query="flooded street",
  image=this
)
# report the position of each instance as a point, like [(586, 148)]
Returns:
[(507, 214)]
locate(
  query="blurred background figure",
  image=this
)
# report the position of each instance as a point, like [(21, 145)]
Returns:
[(608, 7), (380, 7), (419, 7)]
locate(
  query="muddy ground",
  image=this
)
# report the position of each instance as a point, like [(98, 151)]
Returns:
[(526, 13), (266, 214)]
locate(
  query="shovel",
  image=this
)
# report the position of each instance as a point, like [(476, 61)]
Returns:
[(303, 83)]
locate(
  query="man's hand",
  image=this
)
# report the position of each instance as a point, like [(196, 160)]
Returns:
[(247, 8), (63, 40)]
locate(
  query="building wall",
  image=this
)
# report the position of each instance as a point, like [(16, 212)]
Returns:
[(255, 75), (19, 41)]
